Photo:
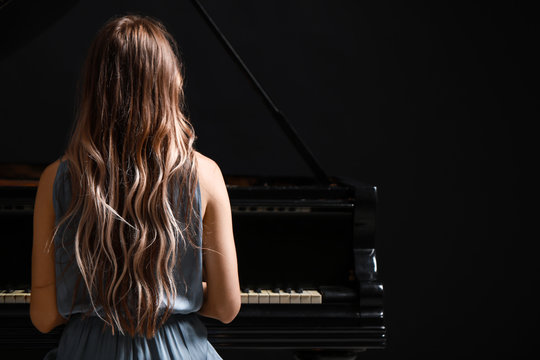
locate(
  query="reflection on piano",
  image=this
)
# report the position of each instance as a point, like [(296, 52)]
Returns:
[(306, 258)]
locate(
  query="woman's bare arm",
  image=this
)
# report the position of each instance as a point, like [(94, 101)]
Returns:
[(222, 299), (43, 309)]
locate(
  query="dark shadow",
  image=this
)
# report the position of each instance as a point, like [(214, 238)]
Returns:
[(23, 20)]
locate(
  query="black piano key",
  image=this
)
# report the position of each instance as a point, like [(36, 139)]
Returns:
[(299, 290), (246, 290), (258, 290), (276, 290), (288, 290)]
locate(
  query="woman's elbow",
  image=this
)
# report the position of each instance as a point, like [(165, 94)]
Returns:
[(230, 312), (40, 325), (44, 324)]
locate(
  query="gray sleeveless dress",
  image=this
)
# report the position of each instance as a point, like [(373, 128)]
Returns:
[(183, 336)]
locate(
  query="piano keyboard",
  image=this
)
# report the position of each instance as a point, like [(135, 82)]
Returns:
[(249, 296), (14, 297), (279, 296)]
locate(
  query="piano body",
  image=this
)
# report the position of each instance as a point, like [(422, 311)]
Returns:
[(306, 257)]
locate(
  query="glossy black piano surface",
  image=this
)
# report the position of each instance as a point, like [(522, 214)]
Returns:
[(292, 235)]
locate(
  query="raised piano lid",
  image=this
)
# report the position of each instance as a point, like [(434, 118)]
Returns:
[(278, 115)]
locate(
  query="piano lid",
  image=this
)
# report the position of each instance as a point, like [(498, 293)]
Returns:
[(279, 117)]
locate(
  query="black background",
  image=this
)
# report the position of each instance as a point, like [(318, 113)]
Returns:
[(429, 101)]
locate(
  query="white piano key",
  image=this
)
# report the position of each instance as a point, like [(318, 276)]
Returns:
[(253, 297), (2, 294), (273, 297), (305, 297), (244, 297), (18, 296), (295, 297), (264, 297), (9, 298), (284, 297), (27, 298), (316, 297)]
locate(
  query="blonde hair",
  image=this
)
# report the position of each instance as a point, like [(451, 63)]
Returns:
[(130, 151)]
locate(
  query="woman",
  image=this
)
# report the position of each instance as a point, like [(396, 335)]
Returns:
[(132, 226)]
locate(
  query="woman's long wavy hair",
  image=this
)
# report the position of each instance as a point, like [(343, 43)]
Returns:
[(131, 148)]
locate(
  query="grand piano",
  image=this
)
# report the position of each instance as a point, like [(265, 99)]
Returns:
[(306, 257)]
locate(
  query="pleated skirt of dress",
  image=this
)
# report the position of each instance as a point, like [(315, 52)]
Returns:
[(181, 337)]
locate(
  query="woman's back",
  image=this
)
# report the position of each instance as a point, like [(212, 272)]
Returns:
[(189, 294), (183, 336)]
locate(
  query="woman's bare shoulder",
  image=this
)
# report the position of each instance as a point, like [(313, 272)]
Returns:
[(204, 162), (211, 181), (49, 172), (209, 171), (48, 176)]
